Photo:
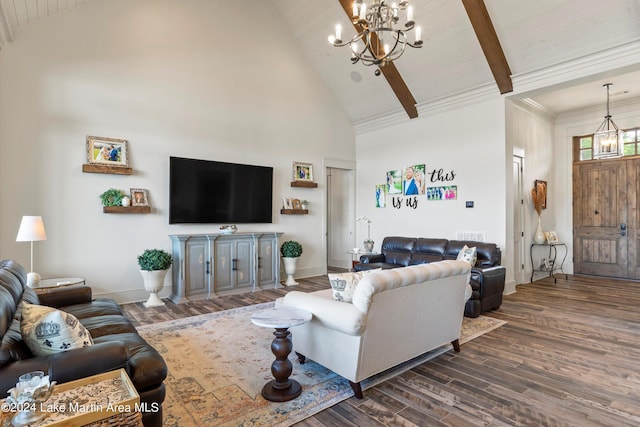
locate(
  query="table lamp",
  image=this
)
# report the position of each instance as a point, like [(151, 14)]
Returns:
[(31, 230)]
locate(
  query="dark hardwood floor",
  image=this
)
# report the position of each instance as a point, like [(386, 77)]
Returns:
[(569, 355)]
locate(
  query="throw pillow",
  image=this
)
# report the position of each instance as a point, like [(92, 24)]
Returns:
[(46, 330), (344, 284), (468, 254)]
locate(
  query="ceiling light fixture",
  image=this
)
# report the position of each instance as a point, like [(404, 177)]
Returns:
[(378, 42), (607, 139)]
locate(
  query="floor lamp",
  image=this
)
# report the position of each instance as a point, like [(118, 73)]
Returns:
[(31, 230)]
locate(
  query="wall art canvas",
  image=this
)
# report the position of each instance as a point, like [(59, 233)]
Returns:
[(394, 182), (107, 151), (414, 180), (381, 195), (448, 192)]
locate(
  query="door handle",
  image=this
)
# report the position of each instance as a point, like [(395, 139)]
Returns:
[(235, 264), (623, 229)]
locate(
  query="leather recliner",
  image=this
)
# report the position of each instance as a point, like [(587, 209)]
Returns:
[(487, 275), (116, 341)]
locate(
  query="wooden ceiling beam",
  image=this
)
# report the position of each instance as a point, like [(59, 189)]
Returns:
[(490, 44), (389, 70)]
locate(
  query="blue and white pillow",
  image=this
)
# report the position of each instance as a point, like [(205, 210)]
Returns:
[(46, 330)]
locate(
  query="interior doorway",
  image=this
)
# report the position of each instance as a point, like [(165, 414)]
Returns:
[(519, 251), (340, 216)]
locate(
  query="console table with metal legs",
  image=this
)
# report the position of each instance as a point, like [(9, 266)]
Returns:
[(553, 265)]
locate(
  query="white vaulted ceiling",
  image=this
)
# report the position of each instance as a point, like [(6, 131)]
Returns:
[(573, 45)]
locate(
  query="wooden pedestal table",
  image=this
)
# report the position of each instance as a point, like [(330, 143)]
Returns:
[(281, 318)]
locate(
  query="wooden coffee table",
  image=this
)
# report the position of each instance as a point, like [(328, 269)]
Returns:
[(281, 319)]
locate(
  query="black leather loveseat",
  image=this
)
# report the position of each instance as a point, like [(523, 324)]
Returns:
[(487, 276), (116, 342)]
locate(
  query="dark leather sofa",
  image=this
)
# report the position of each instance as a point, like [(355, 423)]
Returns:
[(116, 342), (487, 276)]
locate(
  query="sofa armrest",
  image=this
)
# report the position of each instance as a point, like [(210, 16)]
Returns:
[(62, 296), (370, 259), (337, 315), (490, 280), (69, 365)]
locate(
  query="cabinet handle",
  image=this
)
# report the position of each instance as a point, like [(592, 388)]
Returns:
[(207, 268), (259, 262), (235, 264)]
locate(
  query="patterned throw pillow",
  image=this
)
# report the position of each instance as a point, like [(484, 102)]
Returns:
[(344, 284), (468, 254), (46, 330)]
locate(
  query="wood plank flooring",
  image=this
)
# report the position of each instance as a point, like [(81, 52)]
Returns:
[(568, 356)]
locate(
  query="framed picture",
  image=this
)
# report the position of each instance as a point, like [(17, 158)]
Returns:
[(139, 197), (287, 203), (302, 171), (551, 236), (297, 204), (107, 151), (542, 186)]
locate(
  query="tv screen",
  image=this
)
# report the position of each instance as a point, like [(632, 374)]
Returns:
[(204, 191)]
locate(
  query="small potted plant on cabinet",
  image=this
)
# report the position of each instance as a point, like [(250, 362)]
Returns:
[(154, 264), (290, 251)]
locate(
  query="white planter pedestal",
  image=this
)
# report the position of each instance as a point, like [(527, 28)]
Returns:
[(153, 283), (290, 265)]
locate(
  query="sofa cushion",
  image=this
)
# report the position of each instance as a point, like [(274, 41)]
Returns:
[(397, 250), (344, 284), (468, 255), (47, 330), (428, 250)]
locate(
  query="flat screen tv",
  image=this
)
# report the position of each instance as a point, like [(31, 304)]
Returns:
[(210, 192)]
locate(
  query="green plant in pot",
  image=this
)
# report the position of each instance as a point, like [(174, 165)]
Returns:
[(112, 197), (154, 264), (290, 251)]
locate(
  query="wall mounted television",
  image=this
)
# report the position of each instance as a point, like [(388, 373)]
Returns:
[(211, 192)]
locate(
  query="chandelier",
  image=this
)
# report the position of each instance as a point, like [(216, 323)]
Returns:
[(607, 139), (378, 42)]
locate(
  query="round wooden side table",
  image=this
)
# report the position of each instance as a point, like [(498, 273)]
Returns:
[(281, 318)]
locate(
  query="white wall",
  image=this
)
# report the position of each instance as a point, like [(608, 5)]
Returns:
[(470, 141), (188, 78)]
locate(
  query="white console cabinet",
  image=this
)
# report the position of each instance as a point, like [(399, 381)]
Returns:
[(207, 265)]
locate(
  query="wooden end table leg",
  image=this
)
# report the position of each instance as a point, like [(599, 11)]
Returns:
[(281, 389)]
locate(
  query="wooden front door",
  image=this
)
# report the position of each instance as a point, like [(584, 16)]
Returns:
[(605, 218)]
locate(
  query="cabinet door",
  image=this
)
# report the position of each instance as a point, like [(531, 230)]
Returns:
[(197, 268), (243, 264), (223, 269), (267, 258)]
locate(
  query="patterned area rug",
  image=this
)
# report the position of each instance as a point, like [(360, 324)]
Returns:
[(218, 363)]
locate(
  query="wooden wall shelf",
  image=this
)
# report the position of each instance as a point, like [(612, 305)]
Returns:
[(118, 170), (294, 211), (129, 209), (305, 184)]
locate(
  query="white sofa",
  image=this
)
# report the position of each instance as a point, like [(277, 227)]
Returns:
[(395, 315)]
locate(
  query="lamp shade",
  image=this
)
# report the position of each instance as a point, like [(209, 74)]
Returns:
[(31, 229)]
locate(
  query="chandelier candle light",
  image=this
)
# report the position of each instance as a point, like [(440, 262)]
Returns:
[(378, 42), (608, 138)]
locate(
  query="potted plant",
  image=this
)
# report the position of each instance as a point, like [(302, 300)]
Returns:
[(154, 264), (290, 251), (304, 204), (112, 197)]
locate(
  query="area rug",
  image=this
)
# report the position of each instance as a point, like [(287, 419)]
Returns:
[(218, 363)]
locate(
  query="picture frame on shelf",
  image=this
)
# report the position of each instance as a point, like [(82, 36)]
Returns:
[(139, 197), (287, 203), (302, 172), (297, 204), (107, 151), (552, 237)]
